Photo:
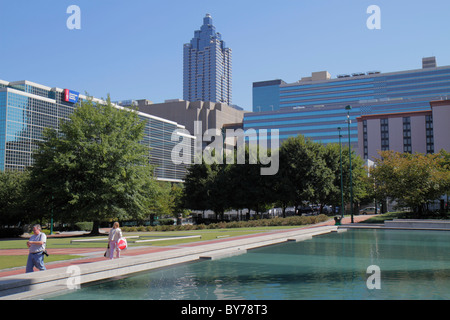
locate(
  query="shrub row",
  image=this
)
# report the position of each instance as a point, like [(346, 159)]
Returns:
[(10, 232), (289, 221), (84, 226)]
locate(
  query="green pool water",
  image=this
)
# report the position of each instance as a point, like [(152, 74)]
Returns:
[(412, 265)]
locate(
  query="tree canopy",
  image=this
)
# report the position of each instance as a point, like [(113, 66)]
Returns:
[(94, 167), (309, 173), (411, 179), (13, 197)]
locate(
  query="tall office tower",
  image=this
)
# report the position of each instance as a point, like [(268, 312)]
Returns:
[(207, 66)]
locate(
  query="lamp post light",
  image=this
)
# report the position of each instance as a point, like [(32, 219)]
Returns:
[(342, 183), (348, 108), (51, 220)]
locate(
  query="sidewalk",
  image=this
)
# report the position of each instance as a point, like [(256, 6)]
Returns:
[(96, 254)]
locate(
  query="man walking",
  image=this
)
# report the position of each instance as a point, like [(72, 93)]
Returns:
[(36, 246)]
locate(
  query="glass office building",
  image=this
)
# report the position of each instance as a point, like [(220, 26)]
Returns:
[(266, 95), (207, 66), (315, 106), (26, 108)]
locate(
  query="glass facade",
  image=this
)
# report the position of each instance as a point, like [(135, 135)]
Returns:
[(315, 123), (266, 95), (384, 133), (3, 96), (207, 66), (365, 141), (425, 84), (26, 109), (316, 108), (407, 143), (157, 136), (429, 133)]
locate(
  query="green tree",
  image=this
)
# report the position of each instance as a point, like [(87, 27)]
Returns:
[(304, 171), (247, 188), (444, 163), (220, 187), (13, 197), (176, 193), (217, 187), (333, 161), (162, 204), (168, 200), (412, 179), (361, 185), (95, 167), (195, 194)]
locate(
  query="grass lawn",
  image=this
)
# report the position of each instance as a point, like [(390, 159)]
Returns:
[(21, 261), (52, 243), (206, 234), (380, 218)]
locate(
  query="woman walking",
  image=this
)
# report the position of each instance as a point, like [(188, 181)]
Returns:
[(114, 235)]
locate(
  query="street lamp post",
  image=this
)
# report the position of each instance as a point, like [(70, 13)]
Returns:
[(348, 108), (342, 183), (51, 220)]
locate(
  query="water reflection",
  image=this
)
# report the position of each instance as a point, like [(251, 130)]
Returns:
[(414, 265)]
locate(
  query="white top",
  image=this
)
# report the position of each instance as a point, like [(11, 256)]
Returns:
[(115, 234), (35, 248)]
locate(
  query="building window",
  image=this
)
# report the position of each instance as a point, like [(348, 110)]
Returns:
[(407, 146), (384, 126), (429, 133), (365, 140)]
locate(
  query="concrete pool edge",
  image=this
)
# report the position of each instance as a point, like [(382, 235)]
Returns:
[(41, 284), (405, 224), (38, 284)]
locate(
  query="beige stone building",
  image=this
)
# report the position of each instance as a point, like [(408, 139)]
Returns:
[(411, 132), (212, 115)]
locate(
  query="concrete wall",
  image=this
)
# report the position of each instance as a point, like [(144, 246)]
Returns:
[(212, 115), (441, 124), (396, 134), (418, 131), (418, 134)]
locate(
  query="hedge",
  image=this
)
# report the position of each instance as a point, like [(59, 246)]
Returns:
[(10, 232), (289, 221)]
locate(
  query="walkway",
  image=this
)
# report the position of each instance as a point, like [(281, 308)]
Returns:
[(96, 254), (16, 284)]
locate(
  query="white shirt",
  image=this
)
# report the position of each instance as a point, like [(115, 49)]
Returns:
[(34, 248), (115, 234)]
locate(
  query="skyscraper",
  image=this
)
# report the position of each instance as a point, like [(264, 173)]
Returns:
[(207, 66)]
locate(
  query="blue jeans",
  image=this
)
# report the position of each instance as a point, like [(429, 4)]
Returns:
[(35, 260)]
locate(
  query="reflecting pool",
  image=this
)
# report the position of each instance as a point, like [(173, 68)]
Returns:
[(412, 265)]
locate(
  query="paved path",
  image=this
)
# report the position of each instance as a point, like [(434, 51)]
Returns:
[(136, 251)]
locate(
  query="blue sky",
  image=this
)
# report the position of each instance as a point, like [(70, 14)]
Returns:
[(134, 49)]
